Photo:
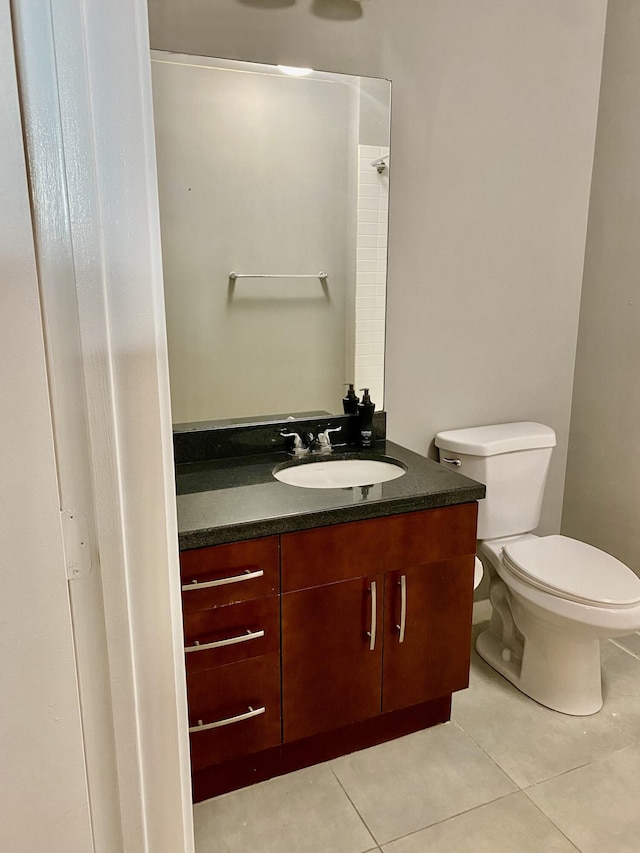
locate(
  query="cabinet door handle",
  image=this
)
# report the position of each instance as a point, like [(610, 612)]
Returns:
[(402, 583), (230, 641), (203, 727), (374, 617), (246, 576)]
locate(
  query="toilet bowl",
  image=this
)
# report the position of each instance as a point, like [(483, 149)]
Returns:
[(553, 598)]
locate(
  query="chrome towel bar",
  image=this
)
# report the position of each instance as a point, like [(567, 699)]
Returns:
[(235, 275)]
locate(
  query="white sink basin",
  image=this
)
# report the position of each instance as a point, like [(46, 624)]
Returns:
[(339, 473)]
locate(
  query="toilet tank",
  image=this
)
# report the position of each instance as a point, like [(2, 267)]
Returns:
[(512, 461)]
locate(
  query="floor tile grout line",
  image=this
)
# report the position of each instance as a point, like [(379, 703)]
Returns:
[(549, 818), (480, 805), (526, 791), (489, 756), (635, 742), (593, 762), (451, 817), (622, 648), (355, 808)]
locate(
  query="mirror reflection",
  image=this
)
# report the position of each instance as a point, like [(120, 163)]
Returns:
[(273, 189)]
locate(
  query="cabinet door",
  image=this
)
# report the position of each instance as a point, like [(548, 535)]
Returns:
[(427, 632), (331, 656)]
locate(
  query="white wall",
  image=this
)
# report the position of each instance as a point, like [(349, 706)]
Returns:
[(602, 497), (43, 792), (494, 112)]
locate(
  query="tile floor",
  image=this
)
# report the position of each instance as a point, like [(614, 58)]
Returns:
[(504, 775)]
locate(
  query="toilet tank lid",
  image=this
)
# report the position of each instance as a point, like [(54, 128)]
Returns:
[(496, 438)]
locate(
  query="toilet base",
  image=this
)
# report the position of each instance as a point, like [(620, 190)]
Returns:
[(558, 670)]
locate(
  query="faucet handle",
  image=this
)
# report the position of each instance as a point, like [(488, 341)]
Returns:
[(323, 437), (298, 445)]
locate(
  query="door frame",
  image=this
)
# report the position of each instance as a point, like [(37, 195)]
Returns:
[(94, 201)]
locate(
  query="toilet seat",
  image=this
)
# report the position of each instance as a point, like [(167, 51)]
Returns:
[(573, 570)]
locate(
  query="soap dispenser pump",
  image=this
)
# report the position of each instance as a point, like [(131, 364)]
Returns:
[(365, 419), (350, 401)]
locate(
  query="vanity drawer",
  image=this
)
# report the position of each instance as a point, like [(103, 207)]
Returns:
[(232, 633), (241, 701), (226, 574), (359, 548)]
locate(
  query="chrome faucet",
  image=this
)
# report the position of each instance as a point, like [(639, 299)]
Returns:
[(311, 444)]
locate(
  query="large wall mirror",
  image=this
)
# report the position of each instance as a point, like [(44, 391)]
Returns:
[(273, 192)]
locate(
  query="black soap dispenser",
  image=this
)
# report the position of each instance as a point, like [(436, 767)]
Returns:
[(350, 401), (365, 419)]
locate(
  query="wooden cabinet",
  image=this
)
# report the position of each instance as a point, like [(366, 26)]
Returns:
[(231, 613), (314, 643), (376, 616)]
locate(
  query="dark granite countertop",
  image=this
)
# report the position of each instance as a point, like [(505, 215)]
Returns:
[(227, 500)]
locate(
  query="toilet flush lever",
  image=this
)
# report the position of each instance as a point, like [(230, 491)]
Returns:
[(451, 461)]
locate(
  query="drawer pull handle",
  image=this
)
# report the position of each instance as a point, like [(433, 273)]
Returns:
[(252, 712), (402, 583), (374, 616), (247, 576), (218, 644)]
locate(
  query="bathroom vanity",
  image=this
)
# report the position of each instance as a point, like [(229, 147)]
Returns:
[(317, 621)]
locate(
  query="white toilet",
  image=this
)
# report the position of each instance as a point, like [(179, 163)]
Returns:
[(553, 598)]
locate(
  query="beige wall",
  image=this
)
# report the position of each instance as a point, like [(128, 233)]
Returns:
[(494, 112), (602, 497)]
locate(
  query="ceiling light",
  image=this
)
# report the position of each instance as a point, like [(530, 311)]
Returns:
[(293, 71)]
